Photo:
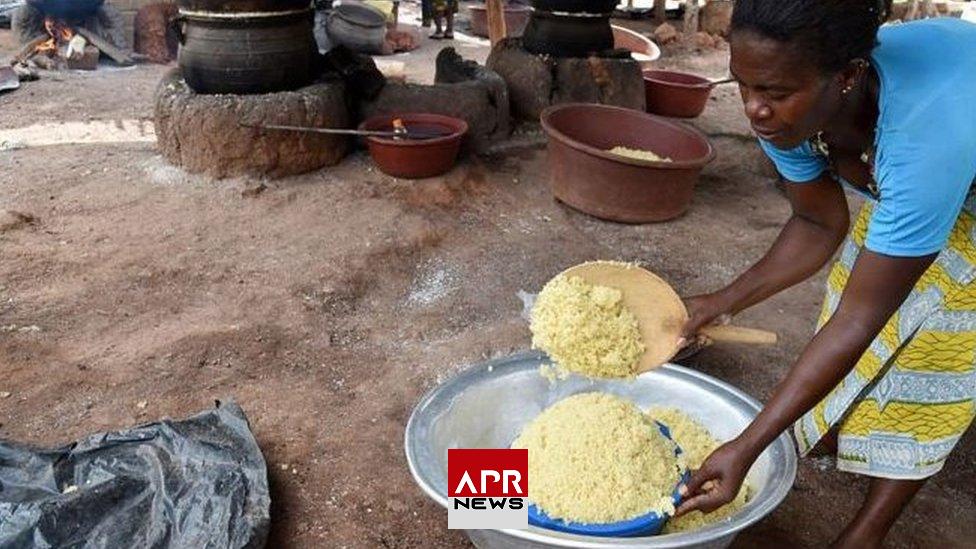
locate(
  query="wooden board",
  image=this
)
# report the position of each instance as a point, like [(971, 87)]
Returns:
[(661, 314)]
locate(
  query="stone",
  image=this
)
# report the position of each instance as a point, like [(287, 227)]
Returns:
[(704, 40), (716, 17), (155, 36), (529, 78), (86, 61), (537, 82), (462, 89), (600, 80), (665, 34), (215, 134)]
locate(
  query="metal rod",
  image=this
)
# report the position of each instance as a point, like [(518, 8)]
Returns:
[(340, 131), (722, 81)]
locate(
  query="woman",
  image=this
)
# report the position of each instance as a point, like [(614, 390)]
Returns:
[(888, 380)]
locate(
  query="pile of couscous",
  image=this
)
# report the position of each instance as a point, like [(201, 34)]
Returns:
[(596, 458), (638, 154), (696, 443), (586, 329)]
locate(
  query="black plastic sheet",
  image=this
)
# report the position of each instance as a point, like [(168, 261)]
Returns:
[(200, 483)]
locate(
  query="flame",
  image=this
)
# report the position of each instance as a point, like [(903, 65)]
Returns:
[(60, 34)]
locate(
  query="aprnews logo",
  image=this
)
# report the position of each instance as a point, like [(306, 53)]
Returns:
[(487, 489)]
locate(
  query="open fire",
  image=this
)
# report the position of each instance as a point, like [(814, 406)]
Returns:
[(63, 48), (60, 34), (60, 37)]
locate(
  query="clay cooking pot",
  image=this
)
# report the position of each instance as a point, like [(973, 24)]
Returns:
[(67, 9), (265, 53)]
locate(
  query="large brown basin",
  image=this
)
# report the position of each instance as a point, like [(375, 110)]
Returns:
[(586, 176)]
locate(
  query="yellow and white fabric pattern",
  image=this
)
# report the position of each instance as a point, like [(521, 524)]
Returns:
[(910, 398)]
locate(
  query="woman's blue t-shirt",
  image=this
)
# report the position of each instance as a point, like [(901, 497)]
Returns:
[(925, 144)]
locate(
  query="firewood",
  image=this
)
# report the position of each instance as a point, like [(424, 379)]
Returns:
[(49, 63), (117, 55), (27, 51), (25, 73)]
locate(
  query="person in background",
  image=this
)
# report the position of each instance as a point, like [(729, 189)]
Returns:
[(886, 383), (443, 11), (426, 13)]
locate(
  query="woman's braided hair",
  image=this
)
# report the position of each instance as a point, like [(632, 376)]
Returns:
[(832, 32)]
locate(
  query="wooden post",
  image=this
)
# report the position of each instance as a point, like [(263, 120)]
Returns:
[(496, 21), (691, 16), (660, 11)]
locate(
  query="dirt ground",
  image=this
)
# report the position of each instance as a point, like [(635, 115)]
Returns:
[(329, 303)]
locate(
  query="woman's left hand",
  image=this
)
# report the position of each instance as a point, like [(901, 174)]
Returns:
[(718, 480)]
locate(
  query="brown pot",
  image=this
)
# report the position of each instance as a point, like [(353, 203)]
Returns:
[(516, 18), (586, 176), (416, 159), (676, 94)]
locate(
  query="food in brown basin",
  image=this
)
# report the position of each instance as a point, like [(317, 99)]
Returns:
[(416, 158), (588, 177), (676, 94)]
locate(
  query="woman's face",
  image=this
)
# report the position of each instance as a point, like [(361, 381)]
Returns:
[(786, 98)]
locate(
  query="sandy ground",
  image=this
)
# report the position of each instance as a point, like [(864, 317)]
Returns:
[(329, 303)]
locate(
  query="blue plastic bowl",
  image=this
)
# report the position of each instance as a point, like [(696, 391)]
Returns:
[(645, 525)]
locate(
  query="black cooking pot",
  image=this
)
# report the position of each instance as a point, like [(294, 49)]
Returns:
[(239, 6), (567, 36), (67, 9), (222, 53), (575, 6)]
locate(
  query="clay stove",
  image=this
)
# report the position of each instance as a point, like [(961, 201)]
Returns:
[(242, 65), (69, 34), (566, 55)]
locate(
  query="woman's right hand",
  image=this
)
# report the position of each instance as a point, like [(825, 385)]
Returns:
[(703, 310), (717, 481)]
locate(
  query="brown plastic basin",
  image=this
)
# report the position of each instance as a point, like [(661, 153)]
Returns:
[(516, 19), (676, 94), (586, 176), (416, 159)]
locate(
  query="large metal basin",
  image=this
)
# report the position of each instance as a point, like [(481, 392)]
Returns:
[(487, 405)]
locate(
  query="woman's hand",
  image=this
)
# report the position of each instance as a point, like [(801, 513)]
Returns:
[(703, 310), (718, 480)]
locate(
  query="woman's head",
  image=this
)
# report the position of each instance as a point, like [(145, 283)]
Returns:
[(797, 59)]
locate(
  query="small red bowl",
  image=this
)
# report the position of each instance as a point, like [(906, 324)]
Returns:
[(676, 94), (416, 158)]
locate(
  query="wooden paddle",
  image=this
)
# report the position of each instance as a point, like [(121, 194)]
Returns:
[(660, 312)]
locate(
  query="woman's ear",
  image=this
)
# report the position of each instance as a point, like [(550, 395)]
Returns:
[(851, 75)]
